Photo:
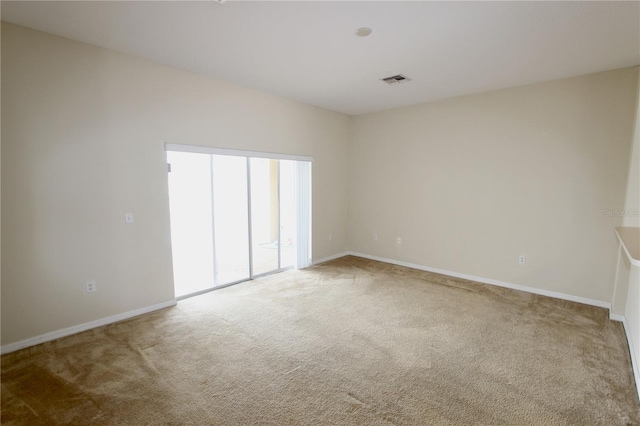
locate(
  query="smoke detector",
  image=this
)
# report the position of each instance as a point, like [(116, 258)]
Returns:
[(363, 32), (396, 79)]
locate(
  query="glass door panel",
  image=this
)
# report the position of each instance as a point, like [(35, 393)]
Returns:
[(191, 232), (230, 219), (264, 215), (288, 224)]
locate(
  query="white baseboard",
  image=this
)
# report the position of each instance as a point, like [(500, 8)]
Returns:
[(326, 259), (47, 337), (616, 317), (634, 360), (533, 290)]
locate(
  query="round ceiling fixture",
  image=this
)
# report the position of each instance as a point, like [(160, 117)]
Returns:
[(363, 32)]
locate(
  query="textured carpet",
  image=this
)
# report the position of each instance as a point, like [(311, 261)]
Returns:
[(348, 342)]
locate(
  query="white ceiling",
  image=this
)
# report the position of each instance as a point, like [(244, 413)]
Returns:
[(307, 51)]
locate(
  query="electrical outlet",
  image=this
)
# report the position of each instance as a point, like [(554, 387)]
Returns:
[(522, 259), (398, 240), (330, 237), (90, 287), (375, 237)]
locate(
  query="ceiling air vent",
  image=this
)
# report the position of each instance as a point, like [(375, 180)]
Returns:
[(396, 79)]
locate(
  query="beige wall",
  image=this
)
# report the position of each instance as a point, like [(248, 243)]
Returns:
[(471, 183), (83, 143)]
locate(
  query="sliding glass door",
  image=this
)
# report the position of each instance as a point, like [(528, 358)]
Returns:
[(235, 217)]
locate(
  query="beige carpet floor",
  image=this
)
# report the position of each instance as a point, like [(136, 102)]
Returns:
[(349, 342)]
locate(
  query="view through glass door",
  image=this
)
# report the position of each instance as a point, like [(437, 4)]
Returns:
[(235, 217)]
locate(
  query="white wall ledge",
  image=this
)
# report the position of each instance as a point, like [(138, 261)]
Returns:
[(629, 238)]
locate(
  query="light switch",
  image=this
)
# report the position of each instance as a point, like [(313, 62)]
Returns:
[(128, 218)]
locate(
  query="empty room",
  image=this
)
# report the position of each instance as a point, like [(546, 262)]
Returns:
[(320, 212)]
